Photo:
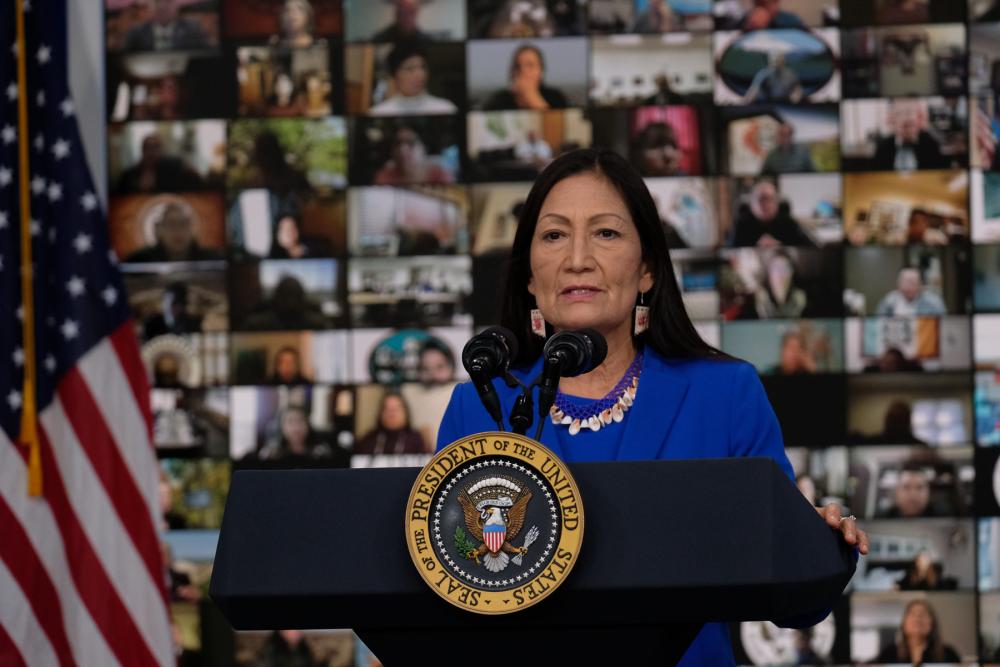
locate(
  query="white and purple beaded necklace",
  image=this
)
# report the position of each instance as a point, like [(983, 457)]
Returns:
[(603, 411)]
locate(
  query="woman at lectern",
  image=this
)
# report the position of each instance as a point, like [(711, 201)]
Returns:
[(590, 252)]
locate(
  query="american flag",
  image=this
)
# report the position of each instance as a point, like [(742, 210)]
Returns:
[(81, 577)]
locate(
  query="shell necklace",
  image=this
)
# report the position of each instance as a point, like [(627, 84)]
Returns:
[(603, 411)]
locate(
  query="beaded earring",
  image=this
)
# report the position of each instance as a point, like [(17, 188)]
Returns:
[(641, 316), (537, 323)]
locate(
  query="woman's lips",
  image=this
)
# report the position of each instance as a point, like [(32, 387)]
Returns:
[(579, 293)]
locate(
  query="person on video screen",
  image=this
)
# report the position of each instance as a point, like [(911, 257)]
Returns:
[(778, 294), (296, 23), (290, 243), (271, 168), (407, 64), (664, 95), (923, 574), (156, 172), (393, 433), (409, 162), (288, 367), (174, 240), (766, 221), (656, 18), (174, 317), (437, 363), (295, 438), (166, 31), (910, 146), (918, 640), (787, 156), (533, 150), (656, 151), (894, 12), (405, 25), (289, 307), (912, 495), (767, 14), (777, 82), (795, 356), (910, 297), (527, 89), (167, 370), (892, 360)]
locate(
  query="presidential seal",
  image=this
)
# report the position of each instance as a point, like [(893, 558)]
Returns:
[(494, 523)]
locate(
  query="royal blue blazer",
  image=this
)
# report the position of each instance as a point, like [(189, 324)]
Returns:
[(684, 409)]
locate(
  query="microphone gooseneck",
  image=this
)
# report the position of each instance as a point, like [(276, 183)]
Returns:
[(486, 356), (566, 354)]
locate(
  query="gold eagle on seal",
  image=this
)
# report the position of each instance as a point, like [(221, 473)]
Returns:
[(494, 510)]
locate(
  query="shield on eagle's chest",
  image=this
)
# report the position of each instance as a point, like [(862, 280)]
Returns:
[(494, 536)]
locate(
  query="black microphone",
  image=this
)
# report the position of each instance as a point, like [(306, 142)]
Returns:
[(566, 354), (485, 357)]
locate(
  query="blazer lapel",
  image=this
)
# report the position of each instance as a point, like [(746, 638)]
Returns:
[(661, 393)]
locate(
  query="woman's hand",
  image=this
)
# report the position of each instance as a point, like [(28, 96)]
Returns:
[(527, 94), (846, 525)]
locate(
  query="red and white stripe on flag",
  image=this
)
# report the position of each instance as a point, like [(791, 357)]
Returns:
[(81, 577)]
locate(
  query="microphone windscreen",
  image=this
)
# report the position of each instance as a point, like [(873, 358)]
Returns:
[(599, 345), (508, 338)]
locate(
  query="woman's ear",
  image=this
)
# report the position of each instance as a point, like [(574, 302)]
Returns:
[(531, 285), (645, 278)]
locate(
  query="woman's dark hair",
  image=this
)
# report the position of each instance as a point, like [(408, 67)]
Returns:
[(655, 135), (381, 407), (403, 52), (403, 127), (935, 649), (521, 49), (670, 331), (306, 7), (437, 345), (288, 409), (277, 251), (288, 349)]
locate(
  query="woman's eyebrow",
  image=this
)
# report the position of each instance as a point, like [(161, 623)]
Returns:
[(596, 216)]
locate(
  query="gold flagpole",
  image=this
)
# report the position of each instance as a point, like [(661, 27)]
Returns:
[(29, 407)]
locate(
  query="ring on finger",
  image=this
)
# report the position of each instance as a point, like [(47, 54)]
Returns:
[(846, 518)]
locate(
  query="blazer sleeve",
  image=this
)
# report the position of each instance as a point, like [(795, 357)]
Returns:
[(452, 426), (754, 428)]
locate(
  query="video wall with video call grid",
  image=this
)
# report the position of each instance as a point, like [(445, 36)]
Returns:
[(312, 202)]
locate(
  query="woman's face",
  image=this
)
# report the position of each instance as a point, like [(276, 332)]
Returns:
[(792, 352), (918, 621), (586, 257), (288, 232), (528, 66), (411, 77), (407, 149), (295, 428), (435, 367), (287, 365), (393, 417), (175, 231), (662, 160), (296, 17), (779, 273), (923, 562)]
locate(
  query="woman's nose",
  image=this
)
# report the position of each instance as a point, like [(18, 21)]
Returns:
[(581, 256)]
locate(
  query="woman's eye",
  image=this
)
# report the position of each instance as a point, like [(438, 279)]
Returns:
[(551, 235), (608, 233)]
